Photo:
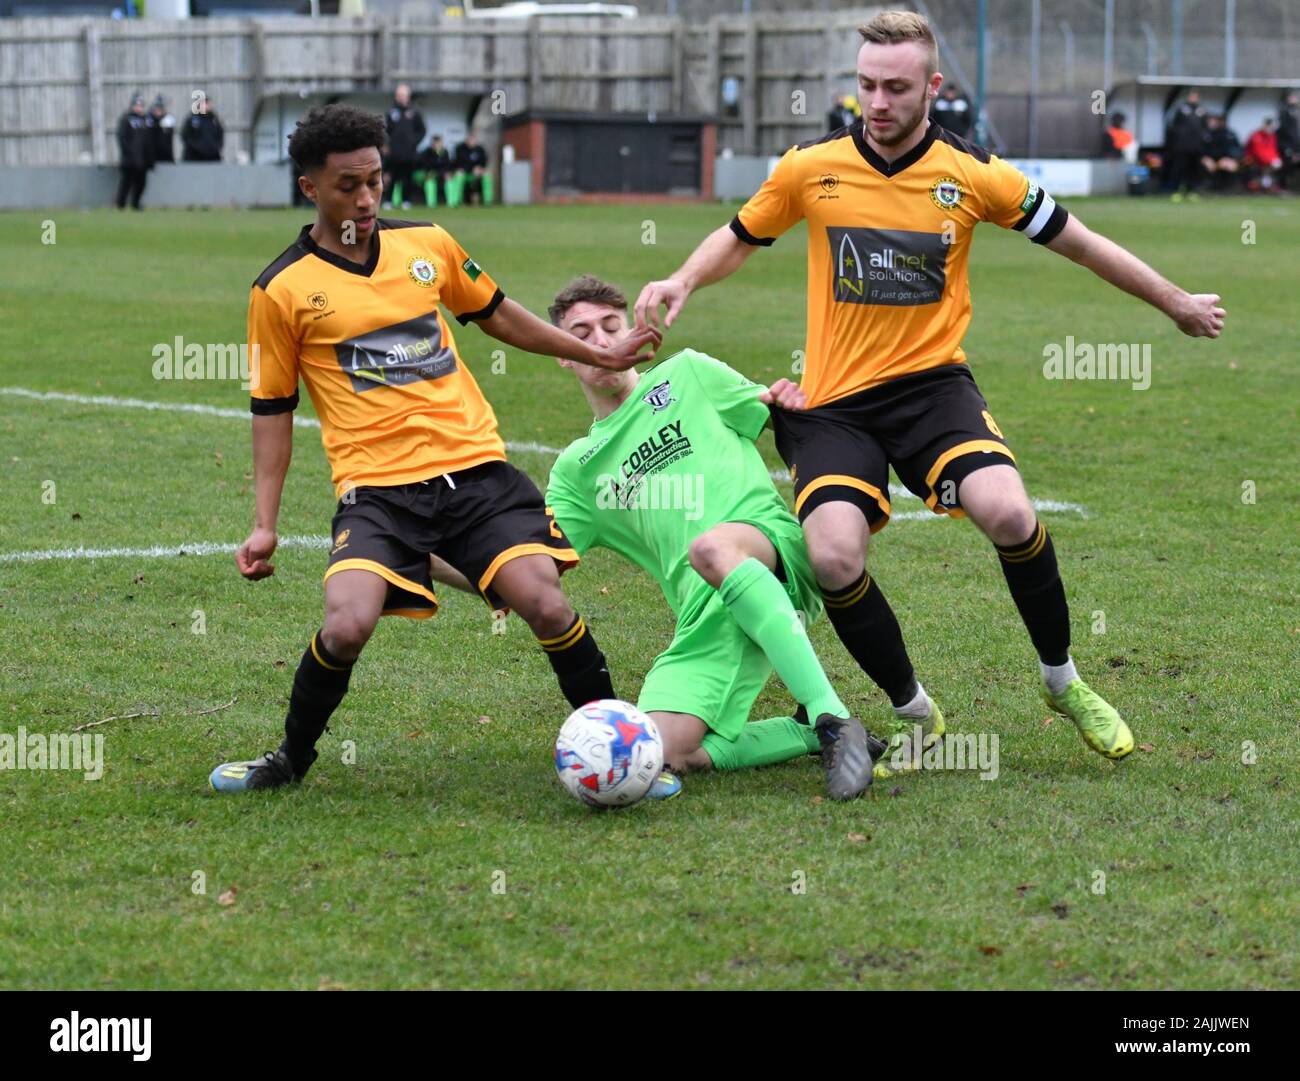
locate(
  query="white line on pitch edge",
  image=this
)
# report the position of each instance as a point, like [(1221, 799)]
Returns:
[(524, 447), (156, 551)]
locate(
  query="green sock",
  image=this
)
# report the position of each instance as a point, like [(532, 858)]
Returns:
[(758, 602), (762, 743)]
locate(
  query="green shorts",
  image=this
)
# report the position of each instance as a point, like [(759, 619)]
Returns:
[(712, 669)]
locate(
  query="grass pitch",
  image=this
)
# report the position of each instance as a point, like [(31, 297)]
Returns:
[(447, 855)]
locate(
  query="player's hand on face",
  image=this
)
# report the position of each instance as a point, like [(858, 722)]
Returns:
[(784, 394), (669, 293), (639, 345), (253, 554), (1201, 316)]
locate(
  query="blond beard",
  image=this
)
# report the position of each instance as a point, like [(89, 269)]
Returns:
[(917, 120)]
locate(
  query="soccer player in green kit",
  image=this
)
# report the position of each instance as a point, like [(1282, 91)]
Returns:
[(669, 478)]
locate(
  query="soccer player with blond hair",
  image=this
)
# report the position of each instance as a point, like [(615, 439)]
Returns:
[(891, 203)]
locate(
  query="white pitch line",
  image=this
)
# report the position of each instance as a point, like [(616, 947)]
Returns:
[(138, 403), (202, 548), (113, 402), (157, 551)]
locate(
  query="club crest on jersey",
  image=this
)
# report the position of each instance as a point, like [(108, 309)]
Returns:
[(660, 398), (422, 271), (946, 192)]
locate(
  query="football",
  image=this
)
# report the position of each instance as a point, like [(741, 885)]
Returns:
[(608, 753)]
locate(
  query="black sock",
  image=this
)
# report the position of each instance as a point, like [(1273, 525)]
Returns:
[(579, 664), (866, 625), (318, 687), (1035, 582)]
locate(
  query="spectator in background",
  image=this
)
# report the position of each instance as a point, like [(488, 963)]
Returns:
[(1222, 157), (164, 127), (435, 160), (471, 160), (135, 153), (1184, 144), (1120, 142), (1288, 138), (951, 110), (406, 130), (201, 135), (840, 115), (1263, 157)]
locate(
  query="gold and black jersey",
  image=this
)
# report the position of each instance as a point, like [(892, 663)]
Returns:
[(395, 400), (888, 244)]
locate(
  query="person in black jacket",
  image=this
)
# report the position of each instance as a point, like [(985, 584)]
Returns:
[(1184, 144), (406, 131), (471, 159), (951, 110), (135, 153), (840, 115), (1288, 137), (201, 135), (435, 160), (164, 126), (1221, 157)]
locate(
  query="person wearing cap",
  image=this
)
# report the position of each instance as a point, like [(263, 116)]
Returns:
[(135, 153), (164, 125)]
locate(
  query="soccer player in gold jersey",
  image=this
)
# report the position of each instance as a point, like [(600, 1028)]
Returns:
[(891, 203), (351, 308)]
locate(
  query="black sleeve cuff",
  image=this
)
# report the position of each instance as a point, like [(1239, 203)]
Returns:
[(1055, 224), (748, 237), (482, 313), (269, 407)]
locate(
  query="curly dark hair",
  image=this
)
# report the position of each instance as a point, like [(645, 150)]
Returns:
[(333, 129), (586, 288)]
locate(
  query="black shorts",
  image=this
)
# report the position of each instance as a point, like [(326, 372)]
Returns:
[(477, 520), (933, 427)]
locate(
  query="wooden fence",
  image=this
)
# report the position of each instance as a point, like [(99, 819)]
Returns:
[(768, 79)]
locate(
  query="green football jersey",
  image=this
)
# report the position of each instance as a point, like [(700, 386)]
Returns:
[(674, 460)]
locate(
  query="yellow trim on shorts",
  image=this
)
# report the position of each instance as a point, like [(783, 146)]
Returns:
[(828, 479), (409, 613), (969, 447), (388, 575), (566, 557)]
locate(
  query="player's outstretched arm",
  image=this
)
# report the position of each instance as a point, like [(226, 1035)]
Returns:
[(720, 253), (1196, 314), (515, 325), (272, 450)]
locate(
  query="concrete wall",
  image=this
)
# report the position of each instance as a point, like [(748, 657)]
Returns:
[(739, 176), (516, 182), (180, 185)]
